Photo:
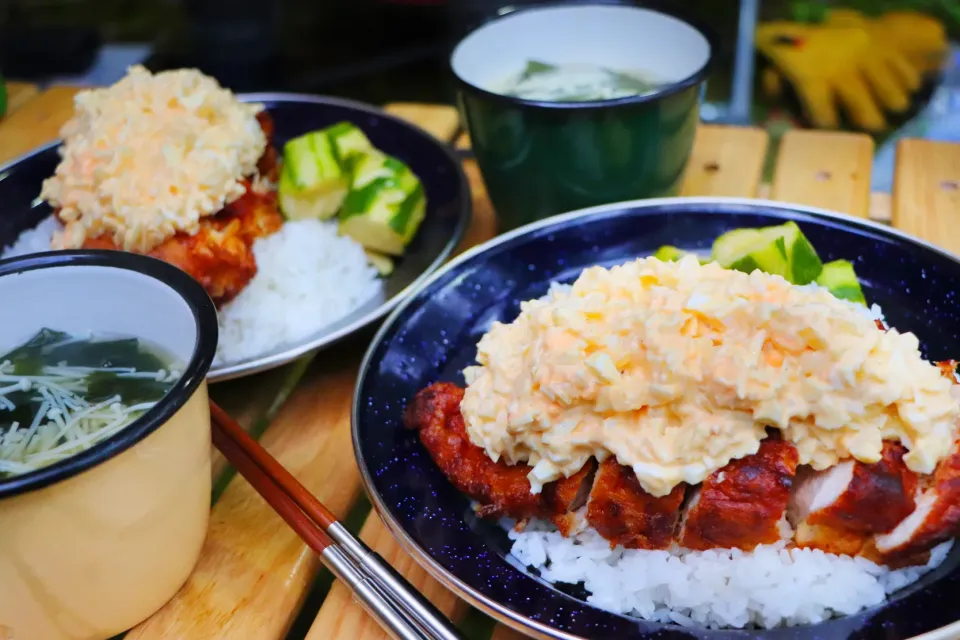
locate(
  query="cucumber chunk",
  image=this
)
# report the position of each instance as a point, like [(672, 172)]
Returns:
[(383, 264), (841, 280), (385, 206), (781, 250), (348, 141), (312, 182), (669, 253)]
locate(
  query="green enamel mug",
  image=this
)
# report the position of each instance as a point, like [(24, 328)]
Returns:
[(542, 157)]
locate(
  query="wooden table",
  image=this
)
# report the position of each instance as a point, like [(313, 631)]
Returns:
[(255, 579)]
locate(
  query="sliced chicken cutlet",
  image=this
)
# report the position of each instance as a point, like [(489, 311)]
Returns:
[(852, 495), (623, 513), (501, 489), (936, 518), (838, 510), (742, 505)]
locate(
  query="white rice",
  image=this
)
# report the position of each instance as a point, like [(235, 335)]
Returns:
[(769, 587), (308, 277), (34, 240)]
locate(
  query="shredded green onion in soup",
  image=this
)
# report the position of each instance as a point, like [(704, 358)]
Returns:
[(50, 411)]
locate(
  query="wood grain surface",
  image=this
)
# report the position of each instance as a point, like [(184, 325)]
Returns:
[(439, 120), (825, 169), (36, 122), (18, 94), (926, 191), (725, 161), (506, 633)]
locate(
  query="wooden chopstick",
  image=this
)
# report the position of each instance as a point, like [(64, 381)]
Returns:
[(386, 596), (282, 503), (277, 472)]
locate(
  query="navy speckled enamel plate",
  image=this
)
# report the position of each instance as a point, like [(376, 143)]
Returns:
[(447, 216), (433, 336)]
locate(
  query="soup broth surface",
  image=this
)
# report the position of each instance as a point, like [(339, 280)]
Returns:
[(61, 394), (576, 83)]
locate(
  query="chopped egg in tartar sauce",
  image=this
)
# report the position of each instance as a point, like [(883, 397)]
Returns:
[(151, 155), (676, 368)]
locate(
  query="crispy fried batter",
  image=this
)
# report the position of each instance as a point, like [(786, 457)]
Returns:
[(267, 165), (830, 540), (501, 489), (623, 513), (220, 255), (741, 505), (948, 369), (563, 497)]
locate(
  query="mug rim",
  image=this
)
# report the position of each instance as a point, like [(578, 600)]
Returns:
[(205, 319), (665, 91)]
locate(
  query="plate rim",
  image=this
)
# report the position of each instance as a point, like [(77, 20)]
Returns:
[(478, 600), (465, 217)]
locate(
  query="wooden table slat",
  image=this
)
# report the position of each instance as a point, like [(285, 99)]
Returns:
[(926, 191), (503, 632), (37, 121), (18, 94), (825, 169), (440, 120), (253, 400), (725, 161)]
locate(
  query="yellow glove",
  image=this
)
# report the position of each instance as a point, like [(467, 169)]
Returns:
[(922, 39), (825, 65)]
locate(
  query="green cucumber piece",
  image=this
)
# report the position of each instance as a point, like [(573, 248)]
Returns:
[(312, 182), (348, 141), (318, 203), (368, 167), (781, 250), (669, 253), (385, 206), (732, 250), (841, 280)]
